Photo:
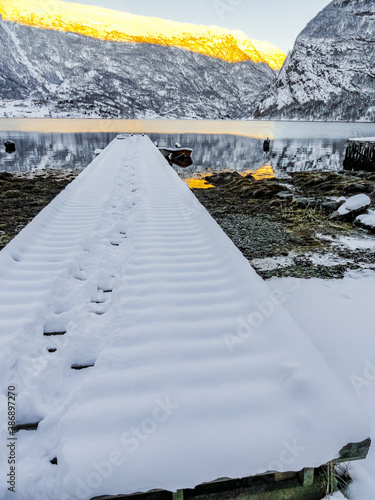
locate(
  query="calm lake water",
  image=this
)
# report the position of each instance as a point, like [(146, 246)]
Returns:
[(217, 145)]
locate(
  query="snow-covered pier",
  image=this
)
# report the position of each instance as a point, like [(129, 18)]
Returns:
[(360, 154), (144, 350)]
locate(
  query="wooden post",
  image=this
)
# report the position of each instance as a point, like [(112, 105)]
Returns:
[(306, 476), (178, 495)]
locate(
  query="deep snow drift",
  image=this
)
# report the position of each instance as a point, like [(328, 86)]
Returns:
[(194, 368)]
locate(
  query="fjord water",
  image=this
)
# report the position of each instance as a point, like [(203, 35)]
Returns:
[(217, 145)]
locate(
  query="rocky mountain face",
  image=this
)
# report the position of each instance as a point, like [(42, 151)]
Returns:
[(330, 74), (55, 73)]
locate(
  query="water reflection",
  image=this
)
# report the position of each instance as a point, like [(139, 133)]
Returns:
[(216, 152), (37, 151), (307, 155), (211, 151)]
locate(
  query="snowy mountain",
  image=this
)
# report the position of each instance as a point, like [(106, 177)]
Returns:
[(330, 74), (56, 73)]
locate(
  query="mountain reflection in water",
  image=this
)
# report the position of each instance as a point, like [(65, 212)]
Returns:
[(211, 152)]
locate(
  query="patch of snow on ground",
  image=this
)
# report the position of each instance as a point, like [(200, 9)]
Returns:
[(271, 263), (353, 243), (337, 199), (326, 259), (336, 496), (317, 259), (325, 237)]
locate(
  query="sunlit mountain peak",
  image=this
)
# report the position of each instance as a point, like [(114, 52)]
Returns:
[(105, 24)]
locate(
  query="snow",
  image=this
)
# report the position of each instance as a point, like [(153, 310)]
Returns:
[(354, 203), (199, 372), (271, 263), (336, 496), (338, 316), (367, 219), (329, 260), (338, 199), (355, 243)]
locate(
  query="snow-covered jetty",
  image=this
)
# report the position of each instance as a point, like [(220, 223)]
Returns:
[(360, 154), (144, 350)]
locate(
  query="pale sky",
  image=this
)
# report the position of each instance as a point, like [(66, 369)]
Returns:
[(276, 21)]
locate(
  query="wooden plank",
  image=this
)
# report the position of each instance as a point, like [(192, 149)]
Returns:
[(354, 451)]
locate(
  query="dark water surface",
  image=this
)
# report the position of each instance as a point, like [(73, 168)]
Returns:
[(217, 145)]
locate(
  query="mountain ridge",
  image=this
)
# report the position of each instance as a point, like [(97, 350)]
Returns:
[(55, 73), (329, 75), (106, 24)]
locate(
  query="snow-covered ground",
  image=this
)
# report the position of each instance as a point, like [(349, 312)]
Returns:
[(339, 317), (195, 367)]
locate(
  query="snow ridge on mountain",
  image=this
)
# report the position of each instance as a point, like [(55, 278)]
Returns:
[(330, 74), (118, 26), (55, 73)]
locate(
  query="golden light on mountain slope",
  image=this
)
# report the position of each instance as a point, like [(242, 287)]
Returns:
[(232, 46)]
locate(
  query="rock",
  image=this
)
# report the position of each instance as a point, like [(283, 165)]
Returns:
[(286, 195), (306, 202), (5, 176), (329, 206), (222, 178), (10, 146), (263, 189), (11, 193), (372, 197), (322, 184), (367, 220), (354, 203), (245, 186), (352, 207)]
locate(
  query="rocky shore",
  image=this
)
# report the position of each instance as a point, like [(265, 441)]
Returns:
[(23, 195), (291, 227), (283, 226)]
